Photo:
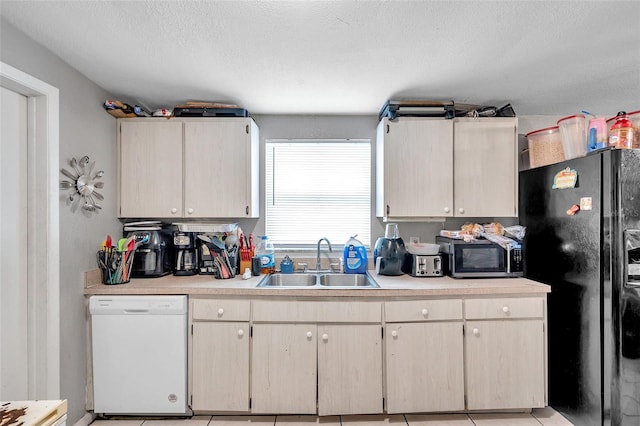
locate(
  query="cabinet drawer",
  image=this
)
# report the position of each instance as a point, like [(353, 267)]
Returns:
[(520, 307), (220, 310), (327, 312), (423, 310)]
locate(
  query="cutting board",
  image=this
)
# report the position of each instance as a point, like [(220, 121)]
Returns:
[(31, 413)]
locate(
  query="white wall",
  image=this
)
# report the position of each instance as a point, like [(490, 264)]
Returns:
[(85, 129)]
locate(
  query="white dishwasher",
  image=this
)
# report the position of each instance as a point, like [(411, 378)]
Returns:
[(139, 346)]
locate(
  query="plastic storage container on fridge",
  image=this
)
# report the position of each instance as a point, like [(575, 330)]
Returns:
[(622, 133), (634, 117), (574, 136), (598, 134), (545, 147)]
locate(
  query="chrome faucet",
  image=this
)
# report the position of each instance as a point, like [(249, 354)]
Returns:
[(318, 255)]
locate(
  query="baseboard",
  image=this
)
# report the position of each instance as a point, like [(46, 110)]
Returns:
[(85, 420)]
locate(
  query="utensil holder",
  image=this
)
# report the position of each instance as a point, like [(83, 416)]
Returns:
[(115, 266)]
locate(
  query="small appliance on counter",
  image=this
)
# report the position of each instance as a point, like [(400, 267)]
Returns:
[(389, 252), (155, 256), (186, 253), (206, 265), (480, 258), (424, 265)]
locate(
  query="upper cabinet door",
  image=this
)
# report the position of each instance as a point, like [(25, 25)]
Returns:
[(220, 177), (414, 169), (486, 168), (150, 175)]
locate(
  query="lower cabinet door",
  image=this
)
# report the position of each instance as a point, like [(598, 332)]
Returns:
[(424, 367), (220, 366), (349, 369), (283, 373), (505, 364)]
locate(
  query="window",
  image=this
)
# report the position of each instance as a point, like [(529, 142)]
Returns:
[(317, 188)]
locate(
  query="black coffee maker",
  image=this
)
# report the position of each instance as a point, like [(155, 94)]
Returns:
[(389, 252), (186, 253)]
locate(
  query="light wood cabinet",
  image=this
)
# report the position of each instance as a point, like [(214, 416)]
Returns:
[(191, 167), (431, 167), (326, 357), (505, 353), (485, 181), (414, 168), (284, 369), (150, 168), (349, 369), (219, 355), (337, 350), (424, 359)]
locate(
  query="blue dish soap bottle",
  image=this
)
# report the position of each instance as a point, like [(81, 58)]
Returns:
[(355, 257)]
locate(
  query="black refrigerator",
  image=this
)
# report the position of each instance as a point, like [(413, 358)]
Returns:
[(582, 219)]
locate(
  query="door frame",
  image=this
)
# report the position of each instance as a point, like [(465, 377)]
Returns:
[(43, 277)]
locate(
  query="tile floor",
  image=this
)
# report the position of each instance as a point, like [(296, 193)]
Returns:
[(538, 417)]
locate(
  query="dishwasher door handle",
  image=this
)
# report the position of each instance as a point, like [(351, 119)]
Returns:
[(136, 311)]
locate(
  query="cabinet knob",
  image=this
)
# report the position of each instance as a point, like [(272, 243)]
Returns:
[(220, 312), (505, 309), (476, 331), (190, 211), (240, 333), (394, 333), (425, 312), (309, 334), (174, 210), (325, 337), (461, 210), (447, 209)]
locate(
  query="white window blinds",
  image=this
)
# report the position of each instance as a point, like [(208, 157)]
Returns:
[(317, 188)]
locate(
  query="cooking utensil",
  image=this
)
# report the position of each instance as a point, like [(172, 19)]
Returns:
[(93, 202), (74, 164), (83, 163), (68, 174)]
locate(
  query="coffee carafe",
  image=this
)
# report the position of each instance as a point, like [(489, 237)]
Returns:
[(389, 252), (186, 253)]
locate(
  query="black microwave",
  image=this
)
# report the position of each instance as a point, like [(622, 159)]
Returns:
[(480, 258)]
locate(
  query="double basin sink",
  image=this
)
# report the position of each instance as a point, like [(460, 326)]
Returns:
[(318, 281)]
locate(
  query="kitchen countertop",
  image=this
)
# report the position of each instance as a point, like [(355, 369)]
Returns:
[(400, 286)]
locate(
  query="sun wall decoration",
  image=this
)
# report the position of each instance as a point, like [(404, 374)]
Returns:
[(83, 184)]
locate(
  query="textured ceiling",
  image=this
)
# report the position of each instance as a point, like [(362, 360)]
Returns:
[(348, 57)]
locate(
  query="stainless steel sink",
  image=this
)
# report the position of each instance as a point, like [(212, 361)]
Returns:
[(318, 281), (346, 280), (289, 280)]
